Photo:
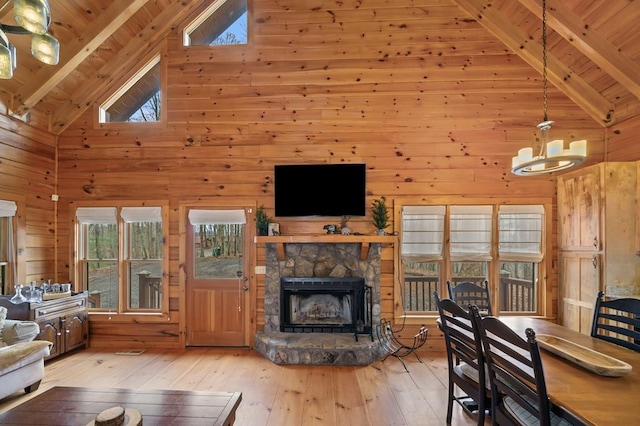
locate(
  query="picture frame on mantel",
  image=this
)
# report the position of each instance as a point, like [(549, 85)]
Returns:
[(274, 229)]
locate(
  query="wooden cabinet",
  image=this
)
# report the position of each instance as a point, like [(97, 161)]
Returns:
[(63, 322), (75, 327), (597, 216), (50, 330)]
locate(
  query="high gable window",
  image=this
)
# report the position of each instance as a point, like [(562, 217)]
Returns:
[(223, 22), (138, 100)]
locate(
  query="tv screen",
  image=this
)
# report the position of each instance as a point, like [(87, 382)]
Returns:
[(320, 190)]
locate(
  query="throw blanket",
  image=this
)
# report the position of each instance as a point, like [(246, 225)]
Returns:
[(15, 356)]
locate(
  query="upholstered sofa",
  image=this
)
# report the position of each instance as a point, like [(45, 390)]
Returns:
[(21, 357)]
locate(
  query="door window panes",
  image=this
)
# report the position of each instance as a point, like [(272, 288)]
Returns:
[(218, 249)]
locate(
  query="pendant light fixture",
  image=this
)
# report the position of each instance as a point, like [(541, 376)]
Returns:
[(551, 156), (33, 18)]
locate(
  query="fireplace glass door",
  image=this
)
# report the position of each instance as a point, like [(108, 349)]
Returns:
[(324, 305)]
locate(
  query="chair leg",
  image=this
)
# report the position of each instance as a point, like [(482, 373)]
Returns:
[(450, 402), (482, 410)]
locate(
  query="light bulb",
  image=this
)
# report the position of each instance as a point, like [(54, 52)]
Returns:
[(555, 148)]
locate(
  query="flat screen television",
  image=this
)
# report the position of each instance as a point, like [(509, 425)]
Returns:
[(320, 190)]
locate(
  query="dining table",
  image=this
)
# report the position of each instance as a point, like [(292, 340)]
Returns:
[(594, 398)]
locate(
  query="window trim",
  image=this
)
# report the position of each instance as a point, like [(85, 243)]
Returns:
[(547, 279), (20, 229), (77, 273), (204, 13), (125, 81)]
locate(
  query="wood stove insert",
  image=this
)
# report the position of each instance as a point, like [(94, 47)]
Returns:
[(325, 305)]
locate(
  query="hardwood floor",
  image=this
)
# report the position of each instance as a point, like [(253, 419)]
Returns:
[(380, 394)]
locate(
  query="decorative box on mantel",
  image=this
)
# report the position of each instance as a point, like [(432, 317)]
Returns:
[(364, 240)]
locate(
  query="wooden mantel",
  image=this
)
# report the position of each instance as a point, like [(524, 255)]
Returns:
[(364, 240)]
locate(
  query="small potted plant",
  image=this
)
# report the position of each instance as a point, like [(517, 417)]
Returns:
[(380, 214), (262, 221)]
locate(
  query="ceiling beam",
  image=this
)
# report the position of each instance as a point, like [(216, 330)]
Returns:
[(560, 75), (577, 32), (74, 53), (137, 48)]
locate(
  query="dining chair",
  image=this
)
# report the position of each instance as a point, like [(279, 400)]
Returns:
[(617, 321), (516, 375), (465, 361), (470, 293)]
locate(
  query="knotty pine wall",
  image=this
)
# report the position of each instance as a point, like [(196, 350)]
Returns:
[(428, 99), (27, 176)]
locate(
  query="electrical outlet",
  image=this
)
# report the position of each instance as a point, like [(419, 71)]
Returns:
[(261, 270), (54, 197)]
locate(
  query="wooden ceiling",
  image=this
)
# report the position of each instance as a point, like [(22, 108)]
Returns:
[(593, 49)]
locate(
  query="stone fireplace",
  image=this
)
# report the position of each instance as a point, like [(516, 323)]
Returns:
[(317, 285)]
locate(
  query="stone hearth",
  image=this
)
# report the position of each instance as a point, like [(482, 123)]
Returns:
[(318, 260), (317, 348)]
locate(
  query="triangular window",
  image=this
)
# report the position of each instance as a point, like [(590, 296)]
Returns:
[(138, 100), (223, 22)]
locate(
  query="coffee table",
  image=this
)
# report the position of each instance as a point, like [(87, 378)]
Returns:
[(78, 406)]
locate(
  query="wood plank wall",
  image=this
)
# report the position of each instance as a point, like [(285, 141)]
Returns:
[(27, 176), (428, 99), (623, 142)]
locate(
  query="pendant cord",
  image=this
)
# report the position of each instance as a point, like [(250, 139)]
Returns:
[(544, 59)]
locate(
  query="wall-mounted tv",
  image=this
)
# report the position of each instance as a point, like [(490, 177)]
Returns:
[(320, 190)]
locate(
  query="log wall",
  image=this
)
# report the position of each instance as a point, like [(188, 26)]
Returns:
[(428, 99)]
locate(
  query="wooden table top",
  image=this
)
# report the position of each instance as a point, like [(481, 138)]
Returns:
[(598, 400), (79, 406)]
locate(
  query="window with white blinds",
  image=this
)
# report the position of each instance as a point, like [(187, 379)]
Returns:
[(121, 259), (422, 233), (97, 215), (8, 208), (141, 214), (218, 217), (520, 232), (470, 233)]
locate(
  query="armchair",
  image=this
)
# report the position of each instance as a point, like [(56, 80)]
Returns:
[(21, 358)]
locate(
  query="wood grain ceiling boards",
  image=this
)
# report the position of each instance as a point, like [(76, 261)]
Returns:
[(594, 50)]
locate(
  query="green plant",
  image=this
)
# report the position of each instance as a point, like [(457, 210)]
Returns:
[(262, 221), (380, 213)]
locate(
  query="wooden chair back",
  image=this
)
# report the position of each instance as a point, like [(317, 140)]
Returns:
[(469, 293), (617, 321), (465, 359), (518, 387)]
